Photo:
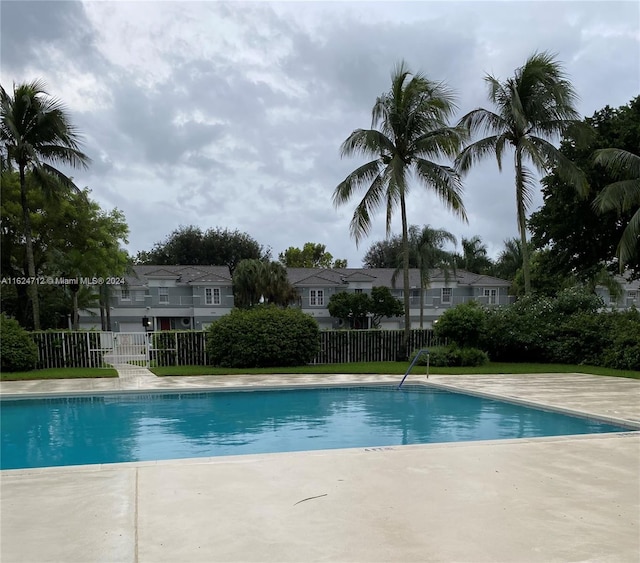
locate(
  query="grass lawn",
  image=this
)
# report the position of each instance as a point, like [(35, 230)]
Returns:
[(398, 368), (58, 373)]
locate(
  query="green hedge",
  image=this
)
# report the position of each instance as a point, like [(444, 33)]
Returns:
[(18, 352), (453, 356), (572, 328), (264, 336)]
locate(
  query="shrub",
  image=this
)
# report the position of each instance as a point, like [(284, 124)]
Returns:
[(623, 350), (17, 351), (452, 356), (264, 336), (463, 324)]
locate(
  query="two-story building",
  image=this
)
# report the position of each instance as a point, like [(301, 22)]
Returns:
[(168, 298), (192, 297), (316, 286), (628, 298)]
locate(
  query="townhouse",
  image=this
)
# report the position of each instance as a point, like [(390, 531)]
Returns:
[(192, 297)]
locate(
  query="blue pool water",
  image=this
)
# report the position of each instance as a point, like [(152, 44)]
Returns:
[(136, 427)]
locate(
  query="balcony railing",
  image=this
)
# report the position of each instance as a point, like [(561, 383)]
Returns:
[(436, 302)]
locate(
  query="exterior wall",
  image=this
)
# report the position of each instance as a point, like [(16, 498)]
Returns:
[(168, 303)]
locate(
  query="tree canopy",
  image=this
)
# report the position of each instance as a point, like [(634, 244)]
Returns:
[(312, 255), (581, 240), (410, 135), (532, 109), (213, 247), (72, 237), (35, 133)]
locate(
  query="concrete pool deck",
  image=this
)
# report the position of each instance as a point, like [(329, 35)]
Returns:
[(574, 498)]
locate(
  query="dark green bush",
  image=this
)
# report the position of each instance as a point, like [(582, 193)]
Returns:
[(452, 356), (264, 336), (462, 325), (17, 351), (623, 350)]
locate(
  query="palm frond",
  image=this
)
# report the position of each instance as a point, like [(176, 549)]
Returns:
[(361, 176), (445, 181), (544, 155), (619, 162), (620, 196), (366, 142), (630, 241), (475, 152), (375, 196), (525, 182)]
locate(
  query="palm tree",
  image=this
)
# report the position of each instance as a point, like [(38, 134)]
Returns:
[(622, 196), (409, 132), (429, 252), (35, 131), (533, 108), (474, 255), (509, 260)]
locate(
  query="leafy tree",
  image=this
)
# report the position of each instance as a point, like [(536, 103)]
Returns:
[(384, 304), (621, 196), (385, 254), (214, 247), (35, 131), (583, 241), (412, 130), (312, 255), (534, 107), (350, 307), (89, 247), (258, 281), (71, 236)]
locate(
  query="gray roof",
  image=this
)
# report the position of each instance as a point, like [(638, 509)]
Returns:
[(305, 277), (384, 277), (186, 275)]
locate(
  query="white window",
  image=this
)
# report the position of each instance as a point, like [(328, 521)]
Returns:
[(125, 295), (633, 295), (358, 290), (212, 296), (446, 295), (491, 295), (163, 295), (316, 297), (139, 295)]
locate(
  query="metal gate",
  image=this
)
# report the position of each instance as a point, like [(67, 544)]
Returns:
[(129, 348)]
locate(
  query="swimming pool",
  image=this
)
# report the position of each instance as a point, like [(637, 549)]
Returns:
[(113, 428)]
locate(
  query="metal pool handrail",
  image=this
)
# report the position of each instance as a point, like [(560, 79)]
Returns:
[(413, 363)]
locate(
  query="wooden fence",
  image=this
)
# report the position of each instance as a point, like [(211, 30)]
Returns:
[(87, 349)]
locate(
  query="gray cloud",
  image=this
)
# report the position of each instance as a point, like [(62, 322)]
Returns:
[(232, 114)]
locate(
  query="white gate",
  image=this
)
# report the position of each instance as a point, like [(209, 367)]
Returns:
[(129, 348)]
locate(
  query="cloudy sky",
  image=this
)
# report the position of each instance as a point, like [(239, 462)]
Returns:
[(232, 114)]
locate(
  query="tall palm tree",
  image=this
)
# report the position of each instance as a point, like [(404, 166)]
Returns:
[(533, 108), (622, 196), (410, 131), (475, 257), (509, 259), (36, 133), (428, 246)]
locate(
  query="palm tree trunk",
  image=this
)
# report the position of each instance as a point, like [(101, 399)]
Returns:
[(405, 276), (75, 320), (522, 223), (422, 288), (32, 288)]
